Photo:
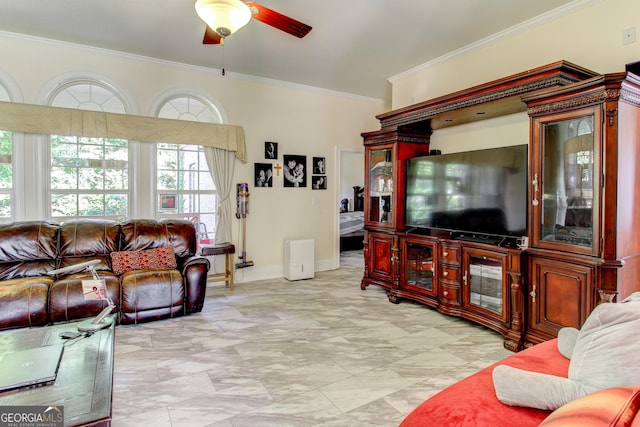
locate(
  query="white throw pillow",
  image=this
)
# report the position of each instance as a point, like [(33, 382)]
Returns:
[(517, 387), (607, 351), (605, 355)]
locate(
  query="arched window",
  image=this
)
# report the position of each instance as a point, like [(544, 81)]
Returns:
[(184, 187), (89, 176)]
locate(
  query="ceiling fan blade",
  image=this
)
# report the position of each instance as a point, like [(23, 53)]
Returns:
[(211, 37), (278, 20)]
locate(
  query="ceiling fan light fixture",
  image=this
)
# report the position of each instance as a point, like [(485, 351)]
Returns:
[(225, 17)]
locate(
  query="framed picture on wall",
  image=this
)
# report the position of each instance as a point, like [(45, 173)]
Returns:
[(168, 202), (319, 182), (263, 173), (295, 170), (319, 166), (270, 150)]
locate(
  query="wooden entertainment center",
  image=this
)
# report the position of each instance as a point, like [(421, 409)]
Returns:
[(583, 211)]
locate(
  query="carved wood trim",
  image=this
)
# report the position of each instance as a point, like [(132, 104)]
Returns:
[(567, 104), (436, 110), (612, 113), (595, 97)]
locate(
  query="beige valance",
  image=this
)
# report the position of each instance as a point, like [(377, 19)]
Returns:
[(41, 119)]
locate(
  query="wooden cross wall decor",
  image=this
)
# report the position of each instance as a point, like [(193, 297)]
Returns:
[(277, 167)]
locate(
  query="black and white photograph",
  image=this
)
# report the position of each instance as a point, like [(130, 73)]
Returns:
[(319, 182), (263, 175), (319, 166), (270, 150), (295, 170)]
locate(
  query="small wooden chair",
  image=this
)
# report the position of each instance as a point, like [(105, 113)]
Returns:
[(227, 249)]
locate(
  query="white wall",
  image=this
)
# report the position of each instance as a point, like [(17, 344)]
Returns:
[(585, 32), (304, 121)]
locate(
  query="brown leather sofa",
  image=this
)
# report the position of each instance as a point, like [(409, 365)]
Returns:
[(28, 250)]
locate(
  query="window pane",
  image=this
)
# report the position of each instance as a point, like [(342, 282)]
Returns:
[(5, 143), (91, 205), (90, 179), (6, 176), (116, 179), (64, 178), (117, 153), (90, 151), (116, 205), (5, 206), (167, 159), (64, 205), (167, 180), (91, 168)]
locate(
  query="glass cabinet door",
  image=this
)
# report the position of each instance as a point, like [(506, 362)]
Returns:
[(483, 280), (565, 186), (419, 266), (380, 186)]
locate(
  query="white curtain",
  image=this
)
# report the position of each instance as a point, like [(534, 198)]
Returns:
[(221, 164)]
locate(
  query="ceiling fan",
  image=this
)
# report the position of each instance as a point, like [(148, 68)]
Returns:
[(224, 17)]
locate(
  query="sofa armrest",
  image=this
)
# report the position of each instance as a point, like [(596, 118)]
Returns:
[(472, 401), (194, 271), (610, 407)]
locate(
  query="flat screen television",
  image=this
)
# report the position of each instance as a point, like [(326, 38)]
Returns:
[(473, 192)]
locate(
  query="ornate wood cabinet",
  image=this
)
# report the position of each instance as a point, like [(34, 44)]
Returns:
[(385, 155), (583, 212), (525, 294)]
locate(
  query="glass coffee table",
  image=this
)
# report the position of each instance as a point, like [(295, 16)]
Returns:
[(85, 378)]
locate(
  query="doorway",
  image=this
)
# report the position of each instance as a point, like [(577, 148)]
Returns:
[(350, 174)]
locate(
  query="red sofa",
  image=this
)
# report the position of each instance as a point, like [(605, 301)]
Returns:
[(472, 402)]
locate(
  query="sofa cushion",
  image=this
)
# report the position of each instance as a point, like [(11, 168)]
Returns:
[(28, 249), (24, 302), (140, 234), (66, 297), (88, 239), (151, 295), (610, 407), (124, 261)]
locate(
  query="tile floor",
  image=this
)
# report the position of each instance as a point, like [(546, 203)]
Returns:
[(316, 352)]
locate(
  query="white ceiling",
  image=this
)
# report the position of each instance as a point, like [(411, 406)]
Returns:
[(354, 47)]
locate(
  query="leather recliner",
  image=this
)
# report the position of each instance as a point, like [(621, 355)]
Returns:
[(28, 250)]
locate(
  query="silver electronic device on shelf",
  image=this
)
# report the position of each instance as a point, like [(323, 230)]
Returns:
[(102, 320)]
